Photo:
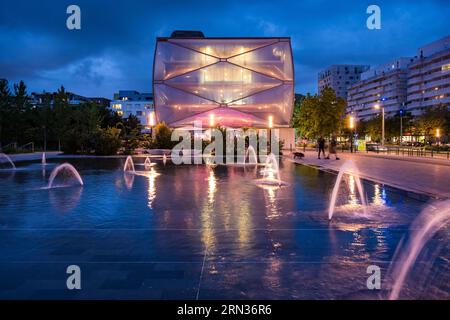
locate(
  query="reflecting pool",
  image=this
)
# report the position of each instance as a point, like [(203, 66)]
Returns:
[(207, 232)]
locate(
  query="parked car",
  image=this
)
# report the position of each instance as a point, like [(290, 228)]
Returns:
[(372, 146)]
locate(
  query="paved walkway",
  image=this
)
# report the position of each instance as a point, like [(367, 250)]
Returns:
[(431, 177)]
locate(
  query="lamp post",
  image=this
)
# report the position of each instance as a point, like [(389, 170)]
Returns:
[(211, 120), (270, 126), (151, 121), (401, 126), (351, 125), (438, 136), (377, 106)]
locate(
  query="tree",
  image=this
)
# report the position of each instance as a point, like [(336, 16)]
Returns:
[(131, 133), (60, 105), (432, 119), (107, 141), (162, 137), (19, 108), (79, 133), (5, 97), (319, 114)]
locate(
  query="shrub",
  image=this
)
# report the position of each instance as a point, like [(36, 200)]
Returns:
[(162, 137), (107, 141)]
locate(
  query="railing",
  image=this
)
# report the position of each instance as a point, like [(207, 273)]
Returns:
[(12, 147), (26, 145), (404, 151)]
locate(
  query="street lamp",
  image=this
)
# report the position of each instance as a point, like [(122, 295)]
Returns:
[(351, 124), (401, 126), (377, 106), (270, 126), (151, 121), (438, 136)]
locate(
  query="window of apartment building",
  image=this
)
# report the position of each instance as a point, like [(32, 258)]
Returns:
[(139, 113)]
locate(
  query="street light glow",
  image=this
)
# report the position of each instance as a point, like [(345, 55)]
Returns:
[(377, 106), (438, 133), (151, 119), (211, 120), (270, 122), (351, 122)]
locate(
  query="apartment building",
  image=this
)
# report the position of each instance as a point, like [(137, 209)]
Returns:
[(428, 82), (409, 84), (384, 85), (131, 102), (340, 77)]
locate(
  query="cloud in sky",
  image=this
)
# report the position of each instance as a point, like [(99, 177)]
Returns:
[(114, 49)]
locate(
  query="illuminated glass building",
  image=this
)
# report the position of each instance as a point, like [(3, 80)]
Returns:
[(232, 82)]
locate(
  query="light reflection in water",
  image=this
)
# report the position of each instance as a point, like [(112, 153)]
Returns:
[(129, 180), (211, 186), (244, 222), (207, 219), (379, 197), (272, 273), (151, 175), (271, 197)]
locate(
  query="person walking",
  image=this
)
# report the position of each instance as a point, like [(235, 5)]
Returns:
[(321, 146), (333, 148)]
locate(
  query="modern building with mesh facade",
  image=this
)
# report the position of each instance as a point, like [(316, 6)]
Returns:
[(231, 82)]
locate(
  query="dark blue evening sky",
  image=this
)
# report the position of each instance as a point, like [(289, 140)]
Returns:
[(114, 48)]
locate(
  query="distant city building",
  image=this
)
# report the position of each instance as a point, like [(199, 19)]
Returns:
[(130, 102), (409, 84), (38, 99), (429, 77), (340, 77), (384, 85)]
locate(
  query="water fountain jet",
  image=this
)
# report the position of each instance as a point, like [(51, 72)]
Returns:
[(348, 167), (251, 151), (3, 155), (424, 227), (271, 172), (63, 168), (129, 165), (148, 163)]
